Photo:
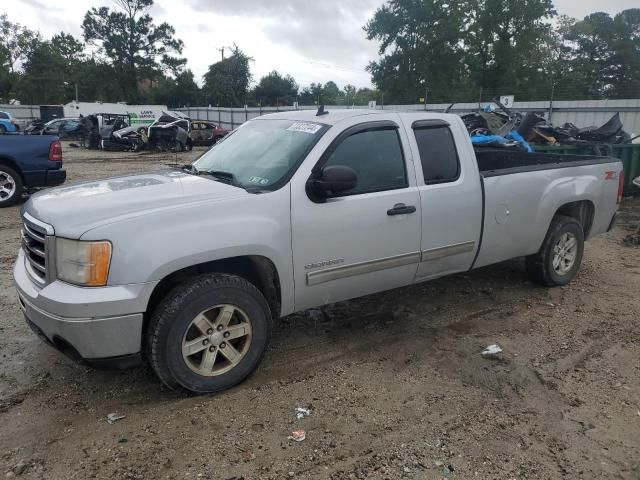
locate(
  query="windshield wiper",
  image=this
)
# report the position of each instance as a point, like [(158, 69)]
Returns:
[(221, 176), (226, 177)]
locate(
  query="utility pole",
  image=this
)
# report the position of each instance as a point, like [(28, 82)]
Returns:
[(426, 93), (221, 50), (553, 91), (76, 92)]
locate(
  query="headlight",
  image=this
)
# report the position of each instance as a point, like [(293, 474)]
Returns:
[(83, 263)]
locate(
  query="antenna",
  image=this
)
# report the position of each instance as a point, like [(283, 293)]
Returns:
[(321, 111)]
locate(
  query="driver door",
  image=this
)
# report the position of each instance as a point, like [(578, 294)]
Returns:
[(360, 242)]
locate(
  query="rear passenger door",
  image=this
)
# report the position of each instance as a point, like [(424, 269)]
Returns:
[(450, 197)]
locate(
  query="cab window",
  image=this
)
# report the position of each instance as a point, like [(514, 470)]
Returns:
[(376, 156)]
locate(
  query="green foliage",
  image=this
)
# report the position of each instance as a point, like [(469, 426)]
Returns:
[(130, 41), (457, 49), (420, 48), (603, 55), (452, 51), (16, 43), (226, 83), (274, 89)]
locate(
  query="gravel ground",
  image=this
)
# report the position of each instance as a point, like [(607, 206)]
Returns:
[(395, 382)]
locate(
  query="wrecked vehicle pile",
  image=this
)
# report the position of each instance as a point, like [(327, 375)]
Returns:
[(513, 129), (535, 129)]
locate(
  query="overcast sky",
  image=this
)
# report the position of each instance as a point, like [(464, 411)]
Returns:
[(313, 40)]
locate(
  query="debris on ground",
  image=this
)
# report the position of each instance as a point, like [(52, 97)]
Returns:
[(302, 412), (20, 468), (297, 435), (114, 417), (491, 350)]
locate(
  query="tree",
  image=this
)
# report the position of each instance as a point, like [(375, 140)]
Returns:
[(16, 42), (275, 89), (331, 94), (226, 83), (349, 93), (136, 47), (626, 54), (505, 43), (602, 56), (44, 76), (311, 95), (452, 49), (420, 48)]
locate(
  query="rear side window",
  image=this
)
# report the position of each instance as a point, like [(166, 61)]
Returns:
[(438, 155), (376, 156)]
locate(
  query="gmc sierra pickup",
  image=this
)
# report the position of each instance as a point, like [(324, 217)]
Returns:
[(28, 162), (186, 268)]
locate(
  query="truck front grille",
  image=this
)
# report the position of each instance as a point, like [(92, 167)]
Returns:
[(35, 244)]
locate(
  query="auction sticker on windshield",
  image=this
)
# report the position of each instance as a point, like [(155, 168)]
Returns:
[(259, 180), (305, 127)]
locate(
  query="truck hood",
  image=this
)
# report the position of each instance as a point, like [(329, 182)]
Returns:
[(75, 209)]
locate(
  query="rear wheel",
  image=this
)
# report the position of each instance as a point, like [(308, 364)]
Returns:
[(559, 258), (209, 333), (10, 186)]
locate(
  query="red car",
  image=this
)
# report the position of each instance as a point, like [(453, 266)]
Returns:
[(206, 133)]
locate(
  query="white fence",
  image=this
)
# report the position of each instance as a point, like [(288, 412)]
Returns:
[(580, 113)]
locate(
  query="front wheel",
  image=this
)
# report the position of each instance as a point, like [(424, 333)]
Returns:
[(559, 258), (208, 334)]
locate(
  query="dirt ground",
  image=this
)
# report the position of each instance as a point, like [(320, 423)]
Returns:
[(395, 382)]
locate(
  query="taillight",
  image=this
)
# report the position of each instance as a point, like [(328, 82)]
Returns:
[(55, 152), (620, 187)]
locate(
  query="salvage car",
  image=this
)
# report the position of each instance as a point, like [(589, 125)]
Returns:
[(64, 128), (206, 133), (170, 133), (293, 210)]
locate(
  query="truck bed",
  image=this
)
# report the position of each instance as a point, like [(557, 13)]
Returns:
[(523, 191), (495, 162)]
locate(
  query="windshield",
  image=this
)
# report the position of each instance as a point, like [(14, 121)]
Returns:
[(261, 152)]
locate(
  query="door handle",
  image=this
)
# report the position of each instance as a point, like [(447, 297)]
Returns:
[(401, 209)]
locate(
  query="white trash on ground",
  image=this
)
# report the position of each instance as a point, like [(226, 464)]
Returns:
[(114, 417), (302, 412), (491, 350)]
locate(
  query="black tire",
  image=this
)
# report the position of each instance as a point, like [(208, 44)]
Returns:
[(540, 266), (172, 319), (18, 186)]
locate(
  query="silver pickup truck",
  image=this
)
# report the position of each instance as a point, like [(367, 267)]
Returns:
[(186, 268)]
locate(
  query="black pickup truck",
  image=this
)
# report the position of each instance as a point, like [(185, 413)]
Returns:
[(28, 162)]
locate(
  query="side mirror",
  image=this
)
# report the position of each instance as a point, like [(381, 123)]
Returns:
[(332, 181)]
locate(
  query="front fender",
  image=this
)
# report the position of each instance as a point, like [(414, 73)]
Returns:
[(148, 248)]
